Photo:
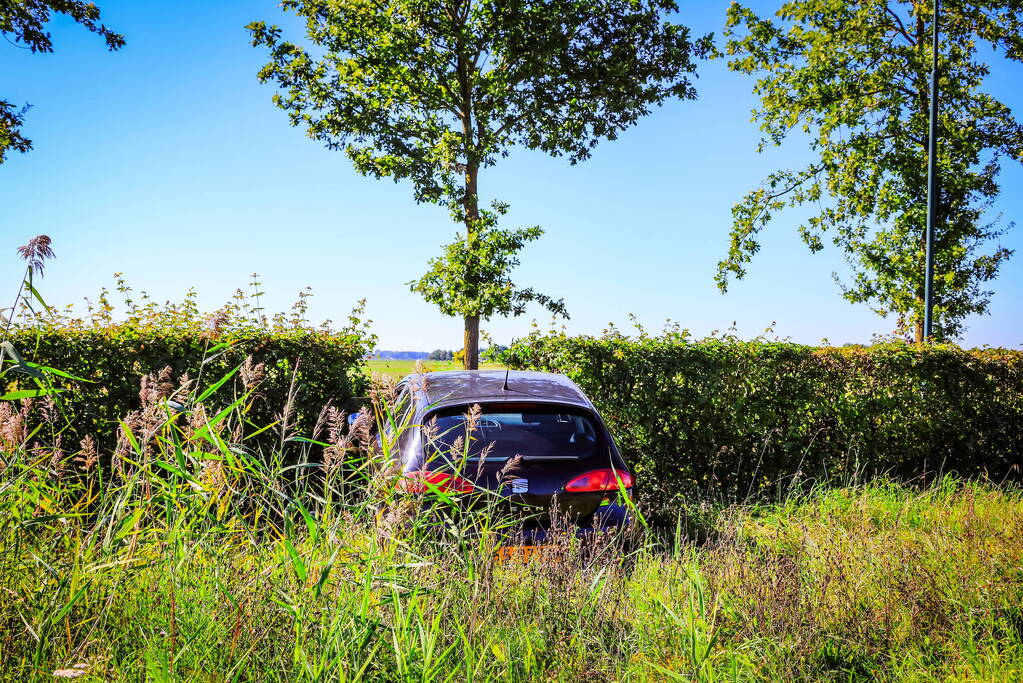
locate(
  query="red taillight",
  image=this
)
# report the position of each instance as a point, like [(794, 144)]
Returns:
[(420, 482), (599, 480)]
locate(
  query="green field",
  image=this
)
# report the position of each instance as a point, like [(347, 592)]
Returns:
[(400, 368)]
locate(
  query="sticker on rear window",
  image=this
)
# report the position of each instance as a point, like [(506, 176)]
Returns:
[(519, 485)]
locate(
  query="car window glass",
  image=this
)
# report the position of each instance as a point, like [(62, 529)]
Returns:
[(501, 433)]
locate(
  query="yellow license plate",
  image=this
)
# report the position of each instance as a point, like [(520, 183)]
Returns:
[(521, 553)]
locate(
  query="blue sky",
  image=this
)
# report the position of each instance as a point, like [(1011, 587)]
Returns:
[(167, 161)]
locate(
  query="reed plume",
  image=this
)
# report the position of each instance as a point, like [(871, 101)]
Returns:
[(36, 252)]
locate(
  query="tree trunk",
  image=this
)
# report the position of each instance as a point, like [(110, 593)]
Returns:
[(471, 338), (471, 341), (924, 99), (470, 201)]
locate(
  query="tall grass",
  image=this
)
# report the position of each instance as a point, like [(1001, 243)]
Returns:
[(186, 554), (188, 558)]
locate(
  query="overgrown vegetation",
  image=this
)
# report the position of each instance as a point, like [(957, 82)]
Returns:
[(724, 419), (190, 559), (717, 418), (192, 550), (125, 335)]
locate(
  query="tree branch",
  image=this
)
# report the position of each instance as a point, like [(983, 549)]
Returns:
[(900, 27)]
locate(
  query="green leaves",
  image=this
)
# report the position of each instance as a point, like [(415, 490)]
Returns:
[(724, 419), (40, 374), (472, 278), (432, 91), (28, 393), (854, 79), (327, 365), (421, 91)]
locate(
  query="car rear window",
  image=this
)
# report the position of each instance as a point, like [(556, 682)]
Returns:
[(503, 431)]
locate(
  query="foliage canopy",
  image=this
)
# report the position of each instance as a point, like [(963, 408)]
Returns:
[(472, 276), (432, 91), (853, 78)]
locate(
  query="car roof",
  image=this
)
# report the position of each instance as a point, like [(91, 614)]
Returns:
[(488, 386)]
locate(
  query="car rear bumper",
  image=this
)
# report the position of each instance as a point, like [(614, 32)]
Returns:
[(608, 519)]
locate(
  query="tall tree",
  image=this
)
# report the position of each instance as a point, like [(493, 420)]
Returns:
[(23, 24), (433, 91), (853, 78)]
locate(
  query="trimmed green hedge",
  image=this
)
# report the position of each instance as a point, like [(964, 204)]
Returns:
[(718, 416), (740, 418), (321, 366)]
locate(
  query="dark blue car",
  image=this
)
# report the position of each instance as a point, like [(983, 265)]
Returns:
[(530, 440)]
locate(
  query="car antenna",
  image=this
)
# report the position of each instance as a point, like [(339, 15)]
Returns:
[(507, 369)]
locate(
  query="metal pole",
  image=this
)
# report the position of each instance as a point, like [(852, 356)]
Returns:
[(932, 184)]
